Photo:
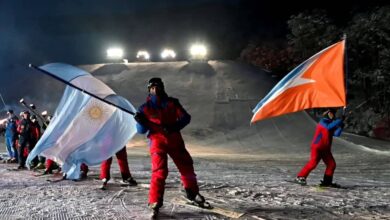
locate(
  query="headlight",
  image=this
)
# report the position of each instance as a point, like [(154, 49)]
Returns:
[(114, 53), (198, 51), (143, 54), (168, 54)]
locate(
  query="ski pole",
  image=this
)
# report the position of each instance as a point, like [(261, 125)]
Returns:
[(32, 109), (5, 106)]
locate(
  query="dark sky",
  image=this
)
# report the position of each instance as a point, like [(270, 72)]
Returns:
[(79, 32)]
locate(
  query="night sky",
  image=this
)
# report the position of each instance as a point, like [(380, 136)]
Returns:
[(79, 32)]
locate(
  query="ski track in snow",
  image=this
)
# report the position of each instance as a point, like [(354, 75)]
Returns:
[(256, 187)]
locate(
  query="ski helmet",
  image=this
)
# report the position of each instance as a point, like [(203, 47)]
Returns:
[(155, 81)]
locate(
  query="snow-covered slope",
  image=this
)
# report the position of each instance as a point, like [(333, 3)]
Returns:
[(220, 96)]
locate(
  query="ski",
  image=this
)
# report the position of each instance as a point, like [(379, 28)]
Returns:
[(211, 209), (16, 169), (43, 174), (106, 185), (292, 181), (319, 186), (55, 180)]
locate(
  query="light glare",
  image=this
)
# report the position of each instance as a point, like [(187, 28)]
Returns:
[(114, 53), (168, 53), (198, 51), (143, 54)]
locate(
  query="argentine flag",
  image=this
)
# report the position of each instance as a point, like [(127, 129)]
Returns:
[(83, 128)]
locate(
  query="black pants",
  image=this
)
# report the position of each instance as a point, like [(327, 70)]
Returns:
[(23, 143)]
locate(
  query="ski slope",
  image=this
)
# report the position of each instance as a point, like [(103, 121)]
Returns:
[(220, 96)]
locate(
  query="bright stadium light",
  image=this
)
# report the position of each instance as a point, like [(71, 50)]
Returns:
[(168, 54), (114, 53), (143, 55), (198, 51)]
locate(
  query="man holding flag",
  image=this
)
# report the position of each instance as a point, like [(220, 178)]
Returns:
[(321, 149), (162, 118), (316, 83)]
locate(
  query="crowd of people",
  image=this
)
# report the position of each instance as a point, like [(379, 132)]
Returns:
[(21, 135)]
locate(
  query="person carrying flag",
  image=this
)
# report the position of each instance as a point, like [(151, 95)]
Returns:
[(321, 146), (163, 117)]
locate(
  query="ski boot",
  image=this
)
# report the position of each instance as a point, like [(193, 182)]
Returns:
[(21, 168), (300, 180), (197, 199), (47, 171), (154, 210), (129, 182), (328, 182), (83, 176), (104, 185), (39, 166)]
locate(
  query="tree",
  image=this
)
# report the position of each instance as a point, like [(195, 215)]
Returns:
[(369, 53), (274, 57), (310, 33)]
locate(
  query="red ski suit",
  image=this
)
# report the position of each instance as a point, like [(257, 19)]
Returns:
[(122, 162), (321, 146), (166, 117)]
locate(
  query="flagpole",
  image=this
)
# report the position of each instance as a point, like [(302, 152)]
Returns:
[(83, 91), (346, 71), (5, 106)]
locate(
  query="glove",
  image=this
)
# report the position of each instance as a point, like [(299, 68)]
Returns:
[(140, 118)]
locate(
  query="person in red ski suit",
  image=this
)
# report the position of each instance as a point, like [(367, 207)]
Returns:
[(162, 118), (123, 167), (321, 148), (24, 130)]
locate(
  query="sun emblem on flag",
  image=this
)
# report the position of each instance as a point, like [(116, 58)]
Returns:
[(96, 111)]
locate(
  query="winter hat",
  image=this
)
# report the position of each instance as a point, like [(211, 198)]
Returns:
[(156, 82), (329, 110)]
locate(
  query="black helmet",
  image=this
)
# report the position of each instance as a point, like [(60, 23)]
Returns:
[(156, 82), (10, 111), (327, 111)]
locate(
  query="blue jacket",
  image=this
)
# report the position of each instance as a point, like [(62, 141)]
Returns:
[(10, 129), (325, 131)]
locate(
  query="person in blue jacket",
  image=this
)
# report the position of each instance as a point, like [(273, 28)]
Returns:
[(321, 146), (11, 136)]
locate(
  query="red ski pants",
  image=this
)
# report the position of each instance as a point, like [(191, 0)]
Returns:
[(315, 157), (49, 164), (183, 162), (122, 162)]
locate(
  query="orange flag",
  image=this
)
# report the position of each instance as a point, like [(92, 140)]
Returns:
[(317, 82)]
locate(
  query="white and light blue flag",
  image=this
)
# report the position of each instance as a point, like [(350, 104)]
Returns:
[(83, 128)]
